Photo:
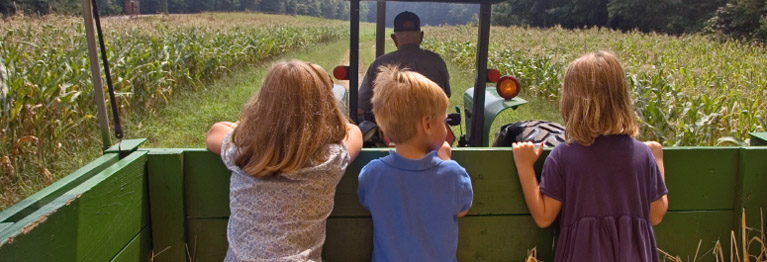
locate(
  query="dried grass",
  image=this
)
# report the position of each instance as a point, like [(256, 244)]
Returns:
[(744, 245)]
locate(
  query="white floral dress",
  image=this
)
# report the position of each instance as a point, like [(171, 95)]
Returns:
[(281, 217)]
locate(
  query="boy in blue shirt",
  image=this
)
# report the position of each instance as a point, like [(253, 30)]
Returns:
[(416, 193)]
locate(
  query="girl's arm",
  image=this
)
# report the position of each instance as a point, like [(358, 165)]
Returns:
[(216, 134), (353, 141), (544, 209), (658, 207)]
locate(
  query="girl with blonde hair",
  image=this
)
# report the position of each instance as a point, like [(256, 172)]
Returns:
[(287, 154), (608, 186)]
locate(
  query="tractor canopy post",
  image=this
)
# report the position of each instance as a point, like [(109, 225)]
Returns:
[(380, 28), (475, 132), (98, 89), (354, 38)]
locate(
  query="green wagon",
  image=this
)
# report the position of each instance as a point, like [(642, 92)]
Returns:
[(167, 204)]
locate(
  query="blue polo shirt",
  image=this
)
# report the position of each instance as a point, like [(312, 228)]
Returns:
[(414, 203)]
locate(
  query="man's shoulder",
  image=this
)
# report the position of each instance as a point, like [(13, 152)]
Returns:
[(430, 53), (407, 53)]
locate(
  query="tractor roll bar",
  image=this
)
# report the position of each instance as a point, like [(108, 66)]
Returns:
[(480, 79)]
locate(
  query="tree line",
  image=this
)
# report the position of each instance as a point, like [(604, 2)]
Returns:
[(738, 18)]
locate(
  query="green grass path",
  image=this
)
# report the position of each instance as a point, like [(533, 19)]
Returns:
[(182, 123)]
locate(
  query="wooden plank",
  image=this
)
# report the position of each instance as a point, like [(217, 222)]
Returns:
[(480, 238), (138, 249), (348, 239), (49, 193), (698, 179), (207, 239), (680, 232), (507, 238), (126, 146), (497, 190), (494, 180), (206, 185), (493, 176), (347, 204), (753, 164), (701, 178), (165, 171), (5, 225), (91, 222), (502, 238)]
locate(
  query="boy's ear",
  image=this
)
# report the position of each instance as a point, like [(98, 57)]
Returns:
[(426, 124)]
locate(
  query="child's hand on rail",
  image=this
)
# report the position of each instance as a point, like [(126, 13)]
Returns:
[(525, 153)]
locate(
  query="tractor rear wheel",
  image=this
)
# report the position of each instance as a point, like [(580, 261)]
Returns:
[(535, 131)]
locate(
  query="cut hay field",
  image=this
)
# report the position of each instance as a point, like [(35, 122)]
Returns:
[(689, 90), (47, 123)]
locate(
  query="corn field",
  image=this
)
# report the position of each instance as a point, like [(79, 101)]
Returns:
[(688, 90), (46, 92)]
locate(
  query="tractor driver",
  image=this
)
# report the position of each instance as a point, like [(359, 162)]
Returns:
[(407, 37)]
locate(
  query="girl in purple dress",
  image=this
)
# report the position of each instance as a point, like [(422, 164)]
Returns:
[(608, 186)]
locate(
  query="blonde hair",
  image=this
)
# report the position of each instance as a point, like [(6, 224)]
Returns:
[(595, 99), (292, 118), (401, 98)]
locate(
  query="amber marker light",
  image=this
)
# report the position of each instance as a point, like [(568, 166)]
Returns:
[(341, 72), (507, 87)]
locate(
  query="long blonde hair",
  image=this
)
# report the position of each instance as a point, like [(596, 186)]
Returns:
[(401, 98), (595, 99), (293, 117)]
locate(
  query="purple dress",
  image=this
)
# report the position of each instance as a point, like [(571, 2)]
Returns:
[(606, 190)]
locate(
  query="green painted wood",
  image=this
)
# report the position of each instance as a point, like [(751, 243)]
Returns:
[(494, 180), (207, 239), (497, 190), (703, 181), (480, 238), (346, 202), (206, 185), (91, 222), (496, 185), (138, 249), (753, 197), (5, 225), (679, 232), (502, 238), (701, 178), (127, 145), (46, 195), (493, 176), (348, 239), (165, 171), (759, 139)]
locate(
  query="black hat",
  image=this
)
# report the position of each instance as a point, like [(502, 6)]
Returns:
[(407, 22)]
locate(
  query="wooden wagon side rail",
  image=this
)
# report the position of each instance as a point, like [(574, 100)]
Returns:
[(103, 217), (172, 205), (708, 185)]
